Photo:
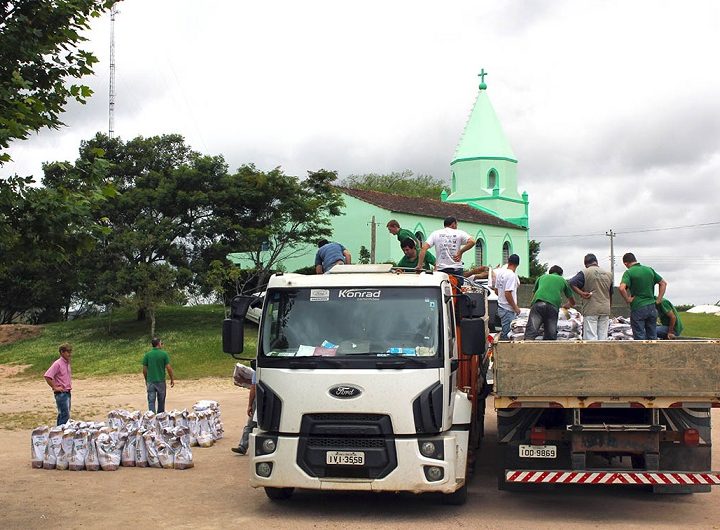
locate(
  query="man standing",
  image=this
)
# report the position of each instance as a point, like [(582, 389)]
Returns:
[(450, 244), (545, 304), (244, 442), (59, 377), (594, 285), (640, 281), (670, 324), (506, 285), (410, 259), (330, 254), (155, 362)]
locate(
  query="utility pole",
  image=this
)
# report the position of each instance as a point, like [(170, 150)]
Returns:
[(612, 235), (373, 228), (111, 101)]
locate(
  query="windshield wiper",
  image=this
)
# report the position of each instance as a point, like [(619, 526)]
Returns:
[(312, 362), (398, 362)]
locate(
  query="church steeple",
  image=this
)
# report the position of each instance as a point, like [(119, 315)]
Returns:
[(484, 167)]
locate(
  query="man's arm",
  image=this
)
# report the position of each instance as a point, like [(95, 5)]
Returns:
[(318, 269), (623, 292), (171, 374), (145, 372), (251, 399), (671, 324), (52, 384), (467, 246), (347, 255), (662, 285), (421, 256)]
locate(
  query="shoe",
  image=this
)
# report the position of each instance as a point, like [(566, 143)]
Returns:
[(239, 450)]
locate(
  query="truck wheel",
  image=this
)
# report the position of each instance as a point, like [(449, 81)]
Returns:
[(279, 494), (457, 497)]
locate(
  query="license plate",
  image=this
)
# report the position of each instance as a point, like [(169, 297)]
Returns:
[(538, 451), (345, 458)]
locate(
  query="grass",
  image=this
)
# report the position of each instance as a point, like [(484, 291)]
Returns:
[(192, 337), (700, 325)]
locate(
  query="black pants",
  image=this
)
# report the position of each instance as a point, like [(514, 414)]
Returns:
[(542, 313)]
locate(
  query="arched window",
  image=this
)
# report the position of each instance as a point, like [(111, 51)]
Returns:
[(420, 237), (479, 252), (493, 181), (453, 183), (506, 251)]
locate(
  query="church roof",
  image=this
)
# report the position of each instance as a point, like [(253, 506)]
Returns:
[(428, 207), (483, 136)]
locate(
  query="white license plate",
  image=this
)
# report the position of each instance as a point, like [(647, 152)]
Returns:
[(538, 451), (345, 458)]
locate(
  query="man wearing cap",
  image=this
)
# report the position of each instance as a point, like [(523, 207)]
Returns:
[(637, 287), (59, 378), (450, 244), (594, 285), (506, 286)]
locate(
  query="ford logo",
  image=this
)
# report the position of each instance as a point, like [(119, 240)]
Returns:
[(344, 391)]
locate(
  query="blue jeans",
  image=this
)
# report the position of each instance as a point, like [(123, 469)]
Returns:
[(156, 390), (662, 332), (542, 313), (506, 318), (643, 322), (62, 400)]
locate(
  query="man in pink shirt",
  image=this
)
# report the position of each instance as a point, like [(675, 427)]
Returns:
[(59, 377)]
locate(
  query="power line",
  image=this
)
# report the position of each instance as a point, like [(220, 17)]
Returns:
[(639, 231)]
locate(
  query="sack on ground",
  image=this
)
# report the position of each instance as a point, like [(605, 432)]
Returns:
[(79, 451), (38, 446)]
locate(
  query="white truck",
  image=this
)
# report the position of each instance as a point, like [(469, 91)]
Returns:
[(367, 379)]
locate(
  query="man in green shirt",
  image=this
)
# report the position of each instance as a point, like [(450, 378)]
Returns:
[(670, 324), (549, 289), (403, 233), (410, 259), (155, 362), (637, 287)]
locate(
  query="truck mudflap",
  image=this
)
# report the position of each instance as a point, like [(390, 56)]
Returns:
[(612, 478)]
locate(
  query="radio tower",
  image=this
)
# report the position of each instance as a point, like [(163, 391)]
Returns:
[(111, 101)]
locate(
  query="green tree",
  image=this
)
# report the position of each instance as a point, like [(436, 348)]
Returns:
[(537, 269), (270, 216), (404, 183), (38, 54), (364, 255)]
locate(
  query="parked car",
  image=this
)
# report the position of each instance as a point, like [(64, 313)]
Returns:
[(255, 310)]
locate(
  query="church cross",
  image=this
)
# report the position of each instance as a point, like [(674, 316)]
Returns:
[(482, 75)]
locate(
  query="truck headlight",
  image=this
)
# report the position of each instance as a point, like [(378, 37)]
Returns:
[(264, 469), (433, 473), (432, 448), (268, 445), (427, 449)]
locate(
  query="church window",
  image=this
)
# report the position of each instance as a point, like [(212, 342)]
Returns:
[(479, 252), (506, 251), (493, 180), (420, 237), (453, 183)]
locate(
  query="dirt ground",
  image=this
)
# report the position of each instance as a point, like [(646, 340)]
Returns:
[(216, 493)]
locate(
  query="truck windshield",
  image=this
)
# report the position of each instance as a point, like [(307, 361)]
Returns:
[(343, 322)]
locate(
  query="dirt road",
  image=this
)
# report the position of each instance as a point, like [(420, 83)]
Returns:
[(215, 493)]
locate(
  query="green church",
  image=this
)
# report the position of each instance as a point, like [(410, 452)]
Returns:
[(483, 197)]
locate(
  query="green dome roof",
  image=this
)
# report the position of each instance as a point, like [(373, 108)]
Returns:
[(483, 136)]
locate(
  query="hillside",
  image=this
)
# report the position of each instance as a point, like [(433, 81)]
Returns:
[(192, 336)]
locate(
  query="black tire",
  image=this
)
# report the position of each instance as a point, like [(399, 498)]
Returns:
[(457, 497), (279, 494)]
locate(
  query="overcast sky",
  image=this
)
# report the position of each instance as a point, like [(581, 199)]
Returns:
[(612, 108)]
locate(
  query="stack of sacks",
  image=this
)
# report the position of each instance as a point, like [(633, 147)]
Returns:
[(620, 329), (128, 439), (569, 325)]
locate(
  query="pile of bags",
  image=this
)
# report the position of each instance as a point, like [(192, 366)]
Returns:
[(129, 439), (570, 324)]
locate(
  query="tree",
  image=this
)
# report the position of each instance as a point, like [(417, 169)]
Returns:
[(403, 183), (44, 233), (537, 269), (270, 216), (38, 53)]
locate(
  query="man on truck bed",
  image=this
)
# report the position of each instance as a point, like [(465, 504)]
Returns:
[(548, 290), (450, 244), (670, 324), (640, 280), (594, 285), (506, 285), (330, 254), (410, 259)]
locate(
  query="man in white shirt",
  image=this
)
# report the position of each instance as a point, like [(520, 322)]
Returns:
[(506, 285), (450, 244)]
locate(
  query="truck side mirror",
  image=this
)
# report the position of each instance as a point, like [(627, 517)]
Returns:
[(472, 334), (233, 331), (470, 305)]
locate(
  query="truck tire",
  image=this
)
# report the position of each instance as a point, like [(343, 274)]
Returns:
[(279, 494), (457, 497)]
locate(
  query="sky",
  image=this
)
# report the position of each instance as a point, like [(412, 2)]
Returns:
[(611, 107)]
